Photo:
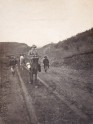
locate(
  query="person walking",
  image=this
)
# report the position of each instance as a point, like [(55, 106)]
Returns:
[(46, 63), (13, 63), (22, 61)]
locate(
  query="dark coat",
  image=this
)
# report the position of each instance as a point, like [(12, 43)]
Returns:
[(46, 62), (13, 62)]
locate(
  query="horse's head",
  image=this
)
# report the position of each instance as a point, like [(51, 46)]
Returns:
[(34, 63), (35, 60)]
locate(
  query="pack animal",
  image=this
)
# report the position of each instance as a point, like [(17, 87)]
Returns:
[(33, 69)]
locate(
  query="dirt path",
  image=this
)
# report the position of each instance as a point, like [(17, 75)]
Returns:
[(73, 86), (57, 97), (49, 90), (62, 98), (12, 104), (28, 100)]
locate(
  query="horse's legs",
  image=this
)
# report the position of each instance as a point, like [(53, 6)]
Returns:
[(36, 77), (46, 69), (31, 76)]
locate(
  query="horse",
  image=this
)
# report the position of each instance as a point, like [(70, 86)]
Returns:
[(33, 69)]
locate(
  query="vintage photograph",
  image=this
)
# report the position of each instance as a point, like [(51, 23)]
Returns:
[(46, 61)]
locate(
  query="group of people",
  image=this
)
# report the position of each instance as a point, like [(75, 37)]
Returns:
[(31, 55)]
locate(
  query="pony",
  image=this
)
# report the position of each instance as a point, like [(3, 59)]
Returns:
[(33, 69)]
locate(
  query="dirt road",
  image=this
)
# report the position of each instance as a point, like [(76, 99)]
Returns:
[(66, 87), (75, 86), (12, 105), (61, 96)]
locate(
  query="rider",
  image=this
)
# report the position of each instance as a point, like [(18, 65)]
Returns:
[(33, 55), (46, 63), (33, 52)]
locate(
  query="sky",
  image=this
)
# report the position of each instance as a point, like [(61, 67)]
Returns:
[(41, 22)]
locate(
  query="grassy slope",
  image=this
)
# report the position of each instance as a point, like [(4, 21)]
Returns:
[(75, 50)]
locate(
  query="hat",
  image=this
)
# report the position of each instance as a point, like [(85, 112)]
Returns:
[(33, 46)]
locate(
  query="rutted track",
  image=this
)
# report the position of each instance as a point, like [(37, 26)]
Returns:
[(28, 100), (73, 108)]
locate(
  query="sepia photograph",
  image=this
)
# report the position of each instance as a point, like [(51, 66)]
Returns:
[(46, 61)]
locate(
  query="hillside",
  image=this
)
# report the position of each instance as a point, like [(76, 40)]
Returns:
[(72, 51), (13, 48), (76, 52), (8, 49)]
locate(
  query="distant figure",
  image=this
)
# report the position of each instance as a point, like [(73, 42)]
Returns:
[(22, 61), (46, 63), (13, 63)]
